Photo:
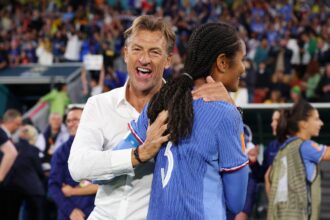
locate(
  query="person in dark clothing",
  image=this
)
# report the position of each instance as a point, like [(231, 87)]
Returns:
[(323, 88), (74, 200), (25, 181)]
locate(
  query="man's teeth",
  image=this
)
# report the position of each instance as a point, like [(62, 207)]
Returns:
[(143, 70)]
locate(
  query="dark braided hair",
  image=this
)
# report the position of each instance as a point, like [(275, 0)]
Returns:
[(290, 118), (206, 43)]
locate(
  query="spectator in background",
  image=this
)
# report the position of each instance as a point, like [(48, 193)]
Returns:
[(275, 97), (281, 57), (4, 60), (57, 98), (12, 120), (323, 89), (250, 78), (14, 52), (44, 52), (323, 52), (50, 140), (26, 178), (280, 84), (271, 151), (93, 82), (7, 156), (73, 200), (263, 83), (295, 94), (313, 78), (58, 46), (261, 54), (73, 46)]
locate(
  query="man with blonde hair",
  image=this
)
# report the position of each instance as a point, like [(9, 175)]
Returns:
[(148, 52)]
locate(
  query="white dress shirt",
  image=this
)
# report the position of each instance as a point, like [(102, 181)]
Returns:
[(103, 124)]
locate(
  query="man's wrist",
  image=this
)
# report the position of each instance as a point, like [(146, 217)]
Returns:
[(137, 155)]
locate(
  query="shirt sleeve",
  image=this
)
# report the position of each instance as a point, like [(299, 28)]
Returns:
[(311, 153), (88, 160), (231, 144)]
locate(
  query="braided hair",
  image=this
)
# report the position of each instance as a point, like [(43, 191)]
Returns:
[(206, 43)]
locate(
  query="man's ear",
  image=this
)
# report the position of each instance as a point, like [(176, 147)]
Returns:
[(222, 63), (169, 61)]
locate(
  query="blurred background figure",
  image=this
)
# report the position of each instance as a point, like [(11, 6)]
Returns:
[(8, 154), (295, 190), (49, 141), (57, 98), (252, 152), (73, 200), (25, 183)]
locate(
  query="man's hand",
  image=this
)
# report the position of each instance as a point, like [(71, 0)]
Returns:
[(77, 214), (154, 139), (212, 91), (253, 154), (67, 190)]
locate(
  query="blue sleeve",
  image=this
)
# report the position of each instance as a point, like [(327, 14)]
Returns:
[(311, 154), (235, 189), (231, 144), (56, 179), (312, 151), (137, 132)]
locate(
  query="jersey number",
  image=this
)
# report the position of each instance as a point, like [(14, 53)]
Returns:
[(166, 177)]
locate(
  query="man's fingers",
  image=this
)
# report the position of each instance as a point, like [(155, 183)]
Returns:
[(165, 138), (163, 128), (209, 79)]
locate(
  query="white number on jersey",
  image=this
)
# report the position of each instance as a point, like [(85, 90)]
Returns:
[(166, 177)]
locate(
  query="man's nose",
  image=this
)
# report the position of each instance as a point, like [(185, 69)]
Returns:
[(144, 58)]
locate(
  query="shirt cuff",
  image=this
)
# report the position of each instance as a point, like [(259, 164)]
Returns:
[(121, 162)]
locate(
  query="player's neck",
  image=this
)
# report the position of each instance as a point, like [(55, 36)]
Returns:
[(302, 135)]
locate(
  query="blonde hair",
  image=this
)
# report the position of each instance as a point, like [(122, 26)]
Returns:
[(151, 23), (29, 133)]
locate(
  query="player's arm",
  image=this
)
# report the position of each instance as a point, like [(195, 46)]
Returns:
[(9, 155), (235, 188), (326, 155), (233, 163)]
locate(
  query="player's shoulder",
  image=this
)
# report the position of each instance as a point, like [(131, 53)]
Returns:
[(309, 145), (216, 108)]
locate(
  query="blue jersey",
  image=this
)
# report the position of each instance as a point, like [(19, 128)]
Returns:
[(187, 182), (311, 154)]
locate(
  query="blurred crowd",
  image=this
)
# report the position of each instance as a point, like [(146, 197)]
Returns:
[(288, 51)]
